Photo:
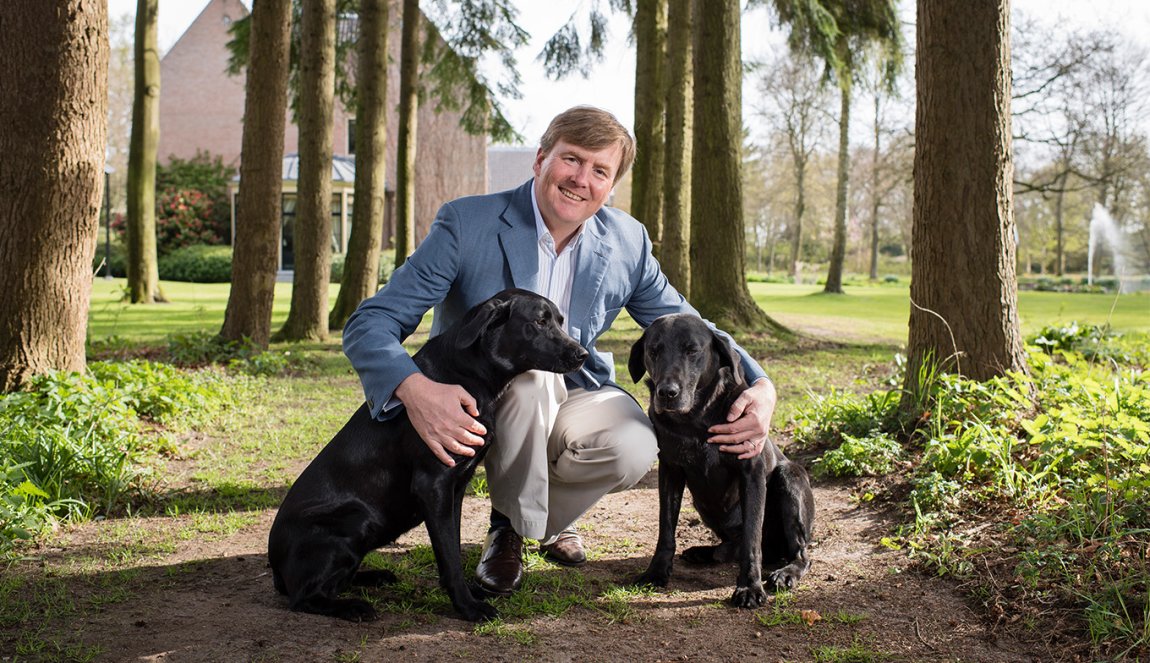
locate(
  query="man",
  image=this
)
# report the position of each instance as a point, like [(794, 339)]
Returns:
[(563, 441)]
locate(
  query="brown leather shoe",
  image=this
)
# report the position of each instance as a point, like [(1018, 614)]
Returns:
[(566, 549), (500, 570)]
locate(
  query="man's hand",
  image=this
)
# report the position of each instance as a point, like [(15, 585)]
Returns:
[(748, 421), (443, 415)]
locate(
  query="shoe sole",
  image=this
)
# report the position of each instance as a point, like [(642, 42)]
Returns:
[(561, 562)]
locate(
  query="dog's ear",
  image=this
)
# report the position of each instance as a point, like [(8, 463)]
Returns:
[(728, 358), (637, 364), (493, 312)]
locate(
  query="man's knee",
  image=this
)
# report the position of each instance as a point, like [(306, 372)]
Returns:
[(637, 451), (616, 458)]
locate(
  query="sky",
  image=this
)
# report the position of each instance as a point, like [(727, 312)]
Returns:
[(611, 84)]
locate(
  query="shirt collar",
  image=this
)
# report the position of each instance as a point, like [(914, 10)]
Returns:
[(544, 235)]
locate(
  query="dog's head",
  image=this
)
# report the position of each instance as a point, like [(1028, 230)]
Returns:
[(683, 357), (521, 331)]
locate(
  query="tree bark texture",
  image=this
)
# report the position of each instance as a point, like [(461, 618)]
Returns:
[(408, 132), (361, 268), (307, 319), (143, 268), (799, 159), (876, 198), (964, 310), (258, 214), (674, 253), (718, 269), (53, 110), (834, 282), (650, 123)]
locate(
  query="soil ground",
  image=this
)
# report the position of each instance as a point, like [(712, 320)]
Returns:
[(211, 599)]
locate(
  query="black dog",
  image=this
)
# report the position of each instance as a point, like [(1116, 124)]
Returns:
[(761, 508), (376, 480)]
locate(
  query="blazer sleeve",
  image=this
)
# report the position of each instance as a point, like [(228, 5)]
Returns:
[(654, 297), (374, 334)]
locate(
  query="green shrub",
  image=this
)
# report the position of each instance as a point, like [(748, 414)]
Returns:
[(187, 217), (200, 185), (198, 264), (202, 348), (835, 415), (1065, 452), (161, 392), (872, 455), (1092, 342), (73, 445)]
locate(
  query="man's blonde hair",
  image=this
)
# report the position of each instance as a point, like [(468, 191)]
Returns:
[(591, 128)]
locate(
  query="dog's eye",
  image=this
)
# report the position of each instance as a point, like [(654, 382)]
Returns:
[(542, 322), (692, 351)]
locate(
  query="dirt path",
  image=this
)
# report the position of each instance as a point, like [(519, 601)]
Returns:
[(212, 600)]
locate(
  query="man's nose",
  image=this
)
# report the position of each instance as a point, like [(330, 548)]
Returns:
[(582, 175)]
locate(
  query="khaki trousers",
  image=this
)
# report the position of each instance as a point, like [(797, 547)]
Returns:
[(557, 451)]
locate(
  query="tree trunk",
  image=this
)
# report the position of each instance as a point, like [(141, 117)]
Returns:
[(650, 125), (256, 246), (800, 163), (876, 197), (718, 258), (834, 283), (408, 132), (53, 109), (964, 313), (675, 257), (143, 271), (1059, 231), (307, 319), (361, 268)]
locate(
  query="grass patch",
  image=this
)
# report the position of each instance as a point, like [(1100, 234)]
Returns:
[(1054, 464), (856, 652)]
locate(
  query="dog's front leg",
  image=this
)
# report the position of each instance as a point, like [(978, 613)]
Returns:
[(749, 592), (440, 508), (672, 480)]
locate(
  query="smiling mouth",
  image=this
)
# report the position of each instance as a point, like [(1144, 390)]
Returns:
[(570, 196)]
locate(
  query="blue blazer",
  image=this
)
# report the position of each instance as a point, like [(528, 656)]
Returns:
[(480, 245)]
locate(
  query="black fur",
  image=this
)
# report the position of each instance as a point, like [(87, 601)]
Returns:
[(376, 480), (761, 508)]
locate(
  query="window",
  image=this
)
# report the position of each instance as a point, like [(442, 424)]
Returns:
[(351, 136)]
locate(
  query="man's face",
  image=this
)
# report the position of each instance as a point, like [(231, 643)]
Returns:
[(572, 182)]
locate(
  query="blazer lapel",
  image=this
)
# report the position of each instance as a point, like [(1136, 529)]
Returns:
[(591, 267), (520, 240)]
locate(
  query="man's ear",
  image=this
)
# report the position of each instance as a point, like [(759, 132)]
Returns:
[(637, 364), (492, 313)]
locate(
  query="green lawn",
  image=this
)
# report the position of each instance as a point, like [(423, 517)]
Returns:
[(879, 314), (868, 314), (191, 307)]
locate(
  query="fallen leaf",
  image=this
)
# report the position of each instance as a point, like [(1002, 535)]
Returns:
[(810, 616)]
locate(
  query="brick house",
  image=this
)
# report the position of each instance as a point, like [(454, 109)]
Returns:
[(202, 107)]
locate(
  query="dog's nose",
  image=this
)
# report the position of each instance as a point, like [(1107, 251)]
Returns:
[(668, 391)]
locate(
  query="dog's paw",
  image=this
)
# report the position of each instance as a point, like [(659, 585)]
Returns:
[(353, 610), (785, 578), (373, 578), (700, 554), (752, 596), (478, 611), (651, 578)]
